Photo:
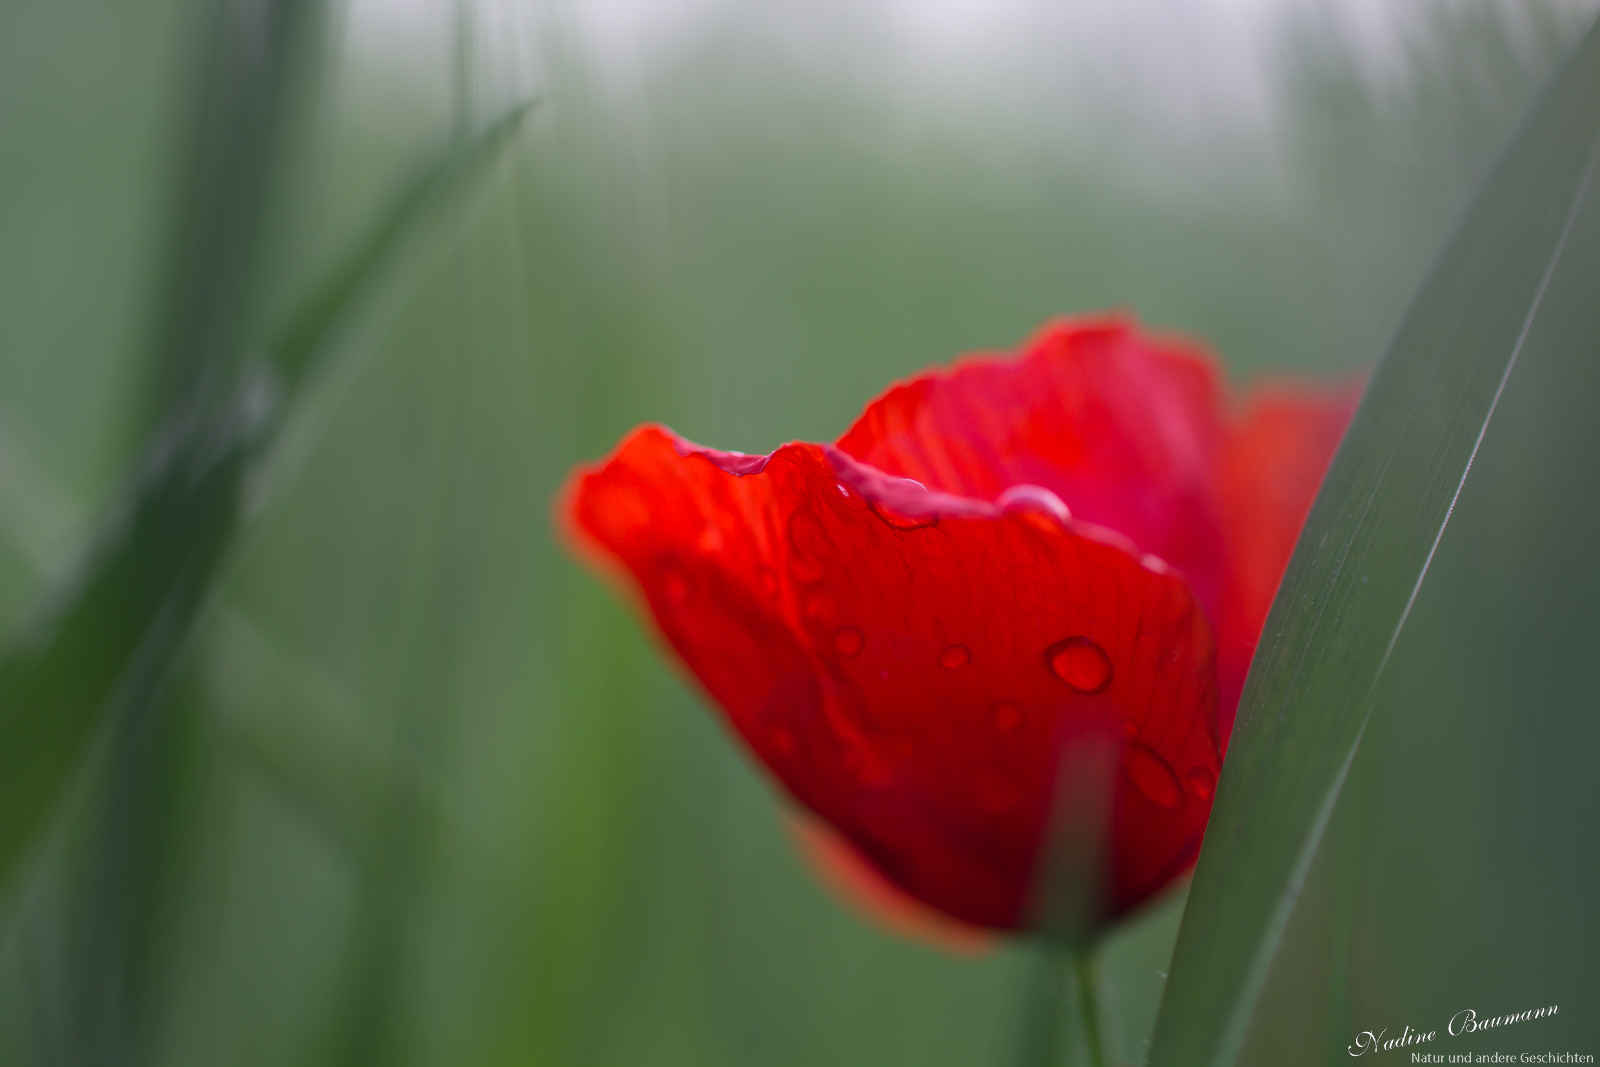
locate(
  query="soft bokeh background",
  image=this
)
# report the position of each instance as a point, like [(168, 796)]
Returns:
[(426, 793)]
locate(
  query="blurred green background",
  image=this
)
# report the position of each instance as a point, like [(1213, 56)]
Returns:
[(421, 791)]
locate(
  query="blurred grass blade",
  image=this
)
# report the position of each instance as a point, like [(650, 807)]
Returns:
[(295, 346), (109, 637), (1361, 559)]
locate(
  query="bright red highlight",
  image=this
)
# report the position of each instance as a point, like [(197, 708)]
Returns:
[(997, 565)]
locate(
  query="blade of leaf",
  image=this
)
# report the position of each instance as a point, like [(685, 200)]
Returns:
[(109, 636), (251, 68), (1360, 561), (295, 346)]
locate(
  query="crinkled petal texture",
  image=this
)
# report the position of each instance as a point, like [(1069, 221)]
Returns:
[(1133, 433), (996, 566)]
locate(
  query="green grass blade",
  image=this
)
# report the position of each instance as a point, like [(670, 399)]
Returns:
[(1360, 561), (110, 637), (295, 346), (252, 61)]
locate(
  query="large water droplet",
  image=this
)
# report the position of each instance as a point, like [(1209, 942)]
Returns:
[(1151, 775), (1202, 783), (1007, 716), (848, 640), (902, 522), (1036, 499), (1080, 663), (954, 657), (676, 589)]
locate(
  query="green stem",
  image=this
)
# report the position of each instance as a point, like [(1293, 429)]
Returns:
[(1047, 1024), (1089, 1006), (1039, 1043)]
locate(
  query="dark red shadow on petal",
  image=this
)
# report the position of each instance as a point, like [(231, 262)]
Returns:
[(850, 876)]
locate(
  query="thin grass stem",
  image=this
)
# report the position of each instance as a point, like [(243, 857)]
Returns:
[(1083, 966), (1060, 975), (1039, 1042)]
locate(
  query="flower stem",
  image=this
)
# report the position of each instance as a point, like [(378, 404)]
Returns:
[(1046, 1026), (1040, 1037), (1089, 1006)]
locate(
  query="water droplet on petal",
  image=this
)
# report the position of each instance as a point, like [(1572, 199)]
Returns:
[(842, 490), (676, 589), (1080, 663), (1151, 775), (898, 521), (1034, 498), (848, 640), (1202, 783), (954, 657), (1007, 716)]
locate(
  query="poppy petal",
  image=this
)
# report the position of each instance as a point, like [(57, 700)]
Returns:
[(1268, 472), (851, 876), (1123, 426), (908, 662), (1131, 431)]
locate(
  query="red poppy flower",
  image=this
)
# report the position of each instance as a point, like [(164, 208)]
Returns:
[(999, 566)]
